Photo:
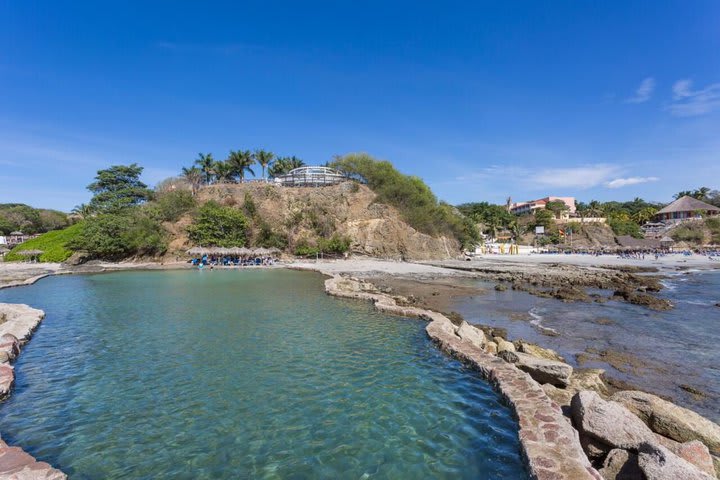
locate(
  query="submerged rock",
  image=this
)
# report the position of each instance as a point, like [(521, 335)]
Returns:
[(540, 369), (659, 463), (608, 422), (670, 420), (644, 299)]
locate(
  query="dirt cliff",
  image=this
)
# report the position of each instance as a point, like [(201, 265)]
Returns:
[(305, 214)]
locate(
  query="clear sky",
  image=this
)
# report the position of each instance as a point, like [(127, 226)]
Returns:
[(483, 100)]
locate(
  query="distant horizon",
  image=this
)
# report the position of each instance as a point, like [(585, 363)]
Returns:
[(483, 101)]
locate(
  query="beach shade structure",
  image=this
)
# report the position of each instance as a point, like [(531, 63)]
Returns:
[(31, 254), (261, 251), (666, 242), (197, 251)]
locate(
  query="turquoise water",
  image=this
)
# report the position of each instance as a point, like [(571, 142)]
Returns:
[(243, 374)]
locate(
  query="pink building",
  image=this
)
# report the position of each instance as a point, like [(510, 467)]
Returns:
[(523, 208)]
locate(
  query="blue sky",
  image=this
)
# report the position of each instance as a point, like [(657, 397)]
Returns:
[(483, 100)]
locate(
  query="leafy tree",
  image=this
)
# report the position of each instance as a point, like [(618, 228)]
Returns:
[(264, 158), (544, 218), (83, 210), (645, 215), (241, 162), (206, 164), (218, 226), (171, 205), (556, 207), (117, 188), (194, 177), (114, 236)]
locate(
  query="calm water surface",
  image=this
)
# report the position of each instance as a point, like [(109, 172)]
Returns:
[(243, 374), (665, 349)]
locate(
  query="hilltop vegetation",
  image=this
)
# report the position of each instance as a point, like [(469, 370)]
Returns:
[(55, 245), (29, 220)]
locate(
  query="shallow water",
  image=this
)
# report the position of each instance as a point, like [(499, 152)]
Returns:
[(243, 374), (666, 349)]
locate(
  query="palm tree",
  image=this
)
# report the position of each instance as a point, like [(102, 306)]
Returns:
[(595, 208), (283, 165), (645, 215), (83, 210), (264, 158), (516, 230), (194, 177), (224, 172), (241, 161), (206, 162)]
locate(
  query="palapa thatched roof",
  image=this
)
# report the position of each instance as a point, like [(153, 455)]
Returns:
[(626, 241), (231, 251), (688, 204)]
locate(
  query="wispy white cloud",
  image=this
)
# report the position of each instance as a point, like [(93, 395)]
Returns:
[(581, 177), (644, 91), (689, 103), (624, 182)]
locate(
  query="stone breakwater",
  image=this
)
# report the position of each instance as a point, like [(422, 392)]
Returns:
[(571, 427), (17, 324), (551, 447)]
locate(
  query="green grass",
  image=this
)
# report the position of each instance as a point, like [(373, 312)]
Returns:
[(53, 245)]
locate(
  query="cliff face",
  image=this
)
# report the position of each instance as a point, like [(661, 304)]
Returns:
[(305, 214)]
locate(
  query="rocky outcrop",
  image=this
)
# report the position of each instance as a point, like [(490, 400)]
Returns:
[(468, 333), (15, 464), (608, 422), (670, 420), (581, 379), (537, 351), (503, 345), (349, 209), (643, 299), (20, 321), (540, 369), (659, 463)]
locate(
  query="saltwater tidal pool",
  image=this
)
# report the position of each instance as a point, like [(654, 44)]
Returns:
[(243, 374)]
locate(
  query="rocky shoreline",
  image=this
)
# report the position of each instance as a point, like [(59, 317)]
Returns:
[(17, 324), (570, 426)]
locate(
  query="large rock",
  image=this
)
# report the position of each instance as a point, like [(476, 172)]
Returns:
[(491, 348), (659, 463), (471, 334), (536, 351), (540, 369), (581, 379), (608, 422), (15, 464), (693, 451), (621, 465), (671, 421), (503, 345)]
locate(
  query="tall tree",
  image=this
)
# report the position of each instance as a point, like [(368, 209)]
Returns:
[(194, 177), (224, 172), (264, 158), (206, 163), (83, 210), (283, 165), (241, 161), (117, 188)]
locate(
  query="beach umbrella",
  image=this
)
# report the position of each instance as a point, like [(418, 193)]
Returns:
[(196, 251)]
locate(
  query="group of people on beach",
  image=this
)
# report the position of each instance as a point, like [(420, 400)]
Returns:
[(233, 261)]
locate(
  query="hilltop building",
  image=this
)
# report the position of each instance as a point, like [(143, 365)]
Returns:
[(523, 208), (685, 208)]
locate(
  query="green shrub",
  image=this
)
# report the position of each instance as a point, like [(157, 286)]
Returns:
[(305, 249), (53, 244), (621, 226), (114, 236), (218, 226), (269, 238), (170, 205), (249, 205), (713, 224), (334, 244), (689, 233)]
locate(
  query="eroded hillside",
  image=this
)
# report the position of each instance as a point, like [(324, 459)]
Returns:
[(304, 215)]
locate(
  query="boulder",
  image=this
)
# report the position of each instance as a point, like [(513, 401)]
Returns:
[(541, 370), (621, 465), (608, 422), (7, 379), (659, 463), (491, 348), (9, 347), (536, 351), (504, 345), (471, 334), (693, 451), (669, 420), (594, 449), (581, 379)]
